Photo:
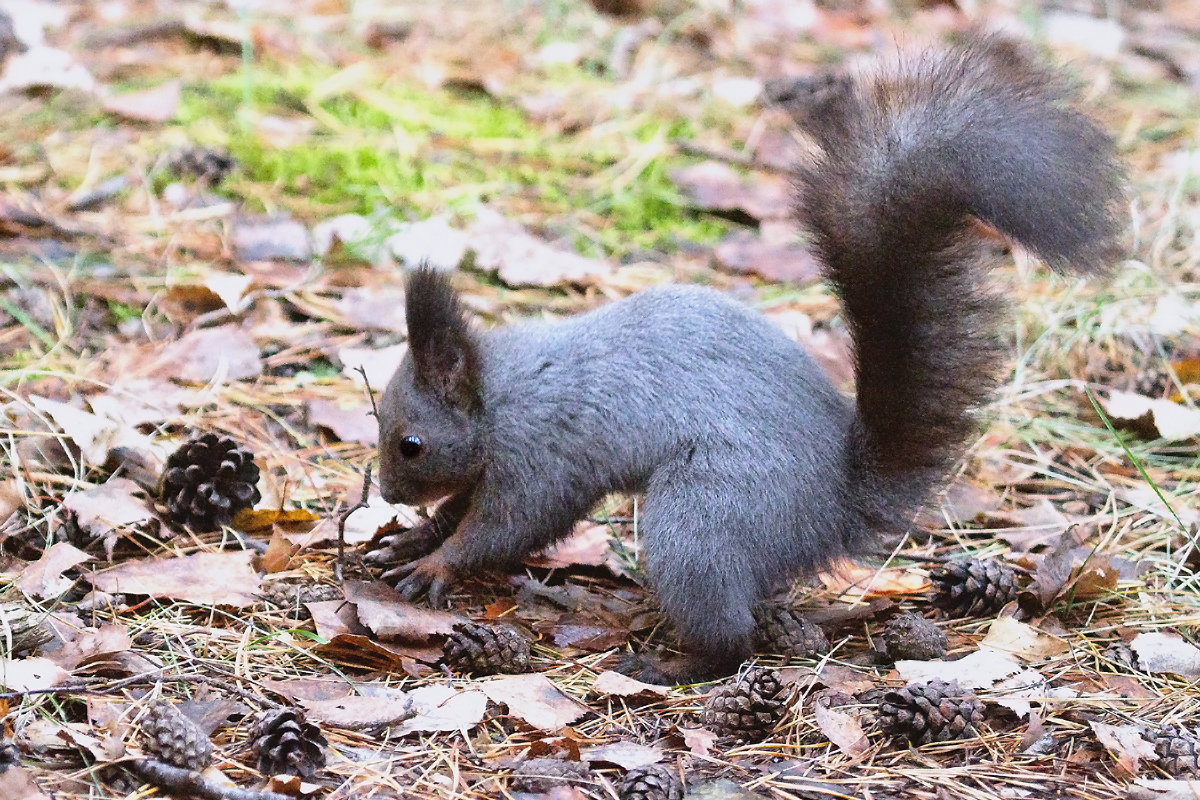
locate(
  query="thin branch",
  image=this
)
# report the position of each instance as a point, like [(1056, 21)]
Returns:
[(185, 782)]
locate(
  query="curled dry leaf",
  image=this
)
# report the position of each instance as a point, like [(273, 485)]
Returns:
[(615, 684), (1167, 652), (624, 754), (111, 510), (223, 353), (1023, 641), (522, 259), (1126, 743), (26, 674), (388, 616), (843, 729)]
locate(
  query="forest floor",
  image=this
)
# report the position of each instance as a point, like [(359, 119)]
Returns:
[(205, 214)]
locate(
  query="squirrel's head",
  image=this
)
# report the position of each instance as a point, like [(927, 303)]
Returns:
[(430, 415)]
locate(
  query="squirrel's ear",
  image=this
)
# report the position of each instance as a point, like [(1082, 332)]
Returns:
[(444, 351)]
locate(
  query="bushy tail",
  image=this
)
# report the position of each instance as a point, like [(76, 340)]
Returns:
[(906, 160)]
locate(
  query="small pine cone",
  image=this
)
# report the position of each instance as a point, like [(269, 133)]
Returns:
[(1177, 749), (544, 774), (652, 782), (486, 650), (287, 743), (170, 736), (780, 629), (748, 707), (973, 586), (204, 164), (908, 636), (207, 481), (10, 756), (931, 712)]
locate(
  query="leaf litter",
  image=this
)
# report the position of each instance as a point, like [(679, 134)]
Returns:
[(552, 161)]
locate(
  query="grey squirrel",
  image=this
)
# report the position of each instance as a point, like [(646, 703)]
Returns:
[(755, 469)]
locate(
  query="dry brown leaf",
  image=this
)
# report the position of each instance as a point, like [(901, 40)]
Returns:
[(349, 422), (87, 646), (376, 709), (279, 554), (1152, 419), (17, 784), (442, 708), (979, 670), (717, 187), (522, 259), (113, 509), (335, 618), (854, 581), (159, 104), (1023, 641), (183, 303), (618, 685), (590, 545), (534, 699), (747, 252), (388, 616), (842, 729), (26, 674), (624, 754), (211, 354), (206, 579), (699, 741), (1167, 652), (1126, 743), (270, 238), (258, 519), (94, 435), (44, 579)]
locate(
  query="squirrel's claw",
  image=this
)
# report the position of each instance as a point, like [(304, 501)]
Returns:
[(401, 548), (425, 576)]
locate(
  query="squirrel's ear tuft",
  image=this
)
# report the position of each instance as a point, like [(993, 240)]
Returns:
[(444, 350)]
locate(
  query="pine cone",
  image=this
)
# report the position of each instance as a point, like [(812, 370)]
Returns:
[(544, 774), (973, 587), (780, 629), (1177, 749), (652, 782), (484, 650), (207, 481), (748, 707), (931, 712), (287, 743), (170, 736), (908, 636), (204, 164), (10, 756)]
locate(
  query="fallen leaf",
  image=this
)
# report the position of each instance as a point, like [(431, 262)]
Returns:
[(618, 685), (717, 187), (378, 308), (1161, 789), (159, 104), (270, 238), (624, 754), (94, 435), (206, 579), (1126, 743), (357, 711), (42, 68), (851, 581), (842, 729), (335, 618), (113, 509), (348, 422), (379, 363), (522, 259), (27, 674), (1152, 419), (433, 241), (979, 670), (17, 784), (388, 616), (441, 708), (1021, 640), (748, 252), (589, 545), (535, 700), (43, 579), (699, 741), (211, 354), (1167, 652)]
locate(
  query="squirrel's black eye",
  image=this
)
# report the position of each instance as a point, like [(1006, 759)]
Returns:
[(410, 446)]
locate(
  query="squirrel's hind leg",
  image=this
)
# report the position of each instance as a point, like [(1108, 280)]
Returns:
[(696, 567)]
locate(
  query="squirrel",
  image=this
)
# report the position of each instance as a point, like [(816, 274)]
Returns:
[(754, 468)]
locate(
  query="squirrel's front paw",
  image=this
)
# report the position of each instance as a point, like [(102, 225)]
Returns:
[(428, 576), (402, 547)]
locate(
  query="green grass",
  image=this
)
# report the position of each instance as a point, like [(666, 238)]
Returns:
[(395, 149)]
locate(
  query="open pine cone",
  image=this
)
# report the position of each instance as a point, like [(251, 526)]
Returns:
[(171, 737), (931, 712), (207, 481), (287, 743), (747, 708)]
